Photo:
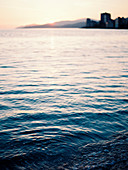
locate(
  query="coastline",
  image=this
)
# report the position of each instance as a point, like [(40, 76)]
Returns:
[(105, 28)]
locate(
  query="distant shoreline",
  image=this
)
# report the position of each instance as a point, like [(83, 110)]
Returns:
[(72, 28), (106, 28)]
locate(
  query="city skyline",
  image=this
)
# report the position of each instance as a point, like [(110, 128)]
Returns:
[(21, 12), (107, 22)]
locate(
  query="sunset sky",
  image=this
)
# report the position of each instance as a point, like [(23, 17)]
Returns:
[(15, 13)]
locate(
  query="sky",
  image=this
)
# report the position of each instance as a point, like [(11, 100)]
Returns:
[(15, 13)]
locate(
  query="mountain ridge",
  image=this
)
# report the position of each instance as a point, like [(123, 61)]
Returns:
[(59, 24)]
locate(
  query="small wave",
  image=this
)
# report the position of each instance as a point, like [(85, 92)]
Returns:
[(4, 107), (7, 67), (92, 78), (28, 85), (115, 57), (14, 92), (125, 76)]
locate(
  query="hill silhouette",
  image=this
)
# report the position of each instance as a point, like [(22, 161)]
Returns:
[(61, 24)]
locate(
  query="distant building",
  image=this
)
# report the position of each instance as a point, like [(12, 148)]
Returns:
[(117, 22), (106, 21), (91, 23), (105, 17), (88, 23), (121, 22)]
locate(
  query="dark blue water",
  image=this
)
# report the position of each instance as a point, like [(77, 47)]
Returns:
[(60, 89)]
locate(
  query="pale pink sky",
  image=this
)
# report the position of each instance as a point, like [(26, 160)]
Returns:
[(15, 13)]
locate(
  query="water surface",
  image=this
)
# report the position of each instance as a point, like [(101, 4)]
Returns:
[(60, 89)]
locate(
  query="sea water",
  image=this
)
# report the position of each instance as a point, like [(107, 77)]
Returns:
[(60, 90)]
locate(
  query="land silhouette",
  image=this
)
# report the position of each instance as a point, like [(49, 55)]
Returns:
[(61, 24), (105, 22)]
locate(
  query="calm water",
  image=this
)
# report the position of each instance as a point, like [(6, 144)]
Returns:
[(60, 89)]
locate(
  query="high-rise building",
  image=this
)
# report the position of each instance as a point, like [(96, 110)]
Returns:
[(117, 22), (105, 17), (106, 21)]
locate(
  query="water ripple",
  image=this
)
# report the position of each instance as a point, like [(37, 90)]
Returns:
[(60, 92)]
